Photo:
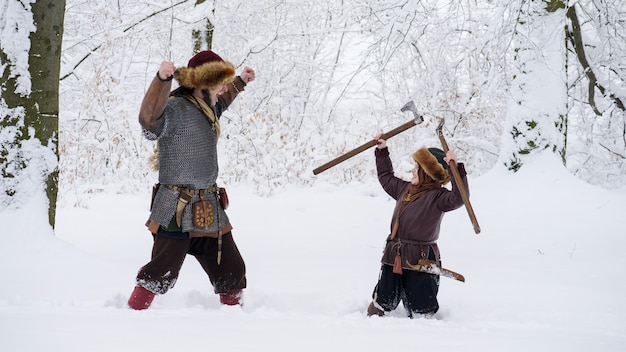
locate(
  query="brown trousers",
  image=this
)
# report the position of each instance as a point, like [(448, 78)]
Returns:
[(168, 254)]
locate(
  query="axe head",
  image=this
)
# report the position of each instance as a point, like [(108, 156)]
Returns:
[(410, 106), (440, 125)]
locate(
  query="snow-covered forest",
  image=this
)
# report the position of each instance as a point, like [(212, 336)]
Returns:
[(330, 74), (523, 86)]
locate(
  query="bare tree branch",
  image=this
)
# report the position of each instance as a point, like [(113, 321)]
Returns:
[(576, 39)]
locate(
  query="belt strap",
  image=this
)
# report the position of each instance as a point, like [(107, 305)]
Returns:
[(424, 247), (211, 189), (419, 243), (184, 196)]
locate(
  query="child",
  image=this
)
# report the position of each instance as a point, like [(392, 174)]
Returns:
[(415, 226)]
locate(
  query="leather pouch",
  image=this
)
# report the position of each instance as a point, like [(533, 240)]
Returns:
[(223, 198), (202, 214)]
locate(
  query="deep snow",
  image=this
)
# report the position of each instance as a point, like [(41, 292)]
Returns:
[(545, 274)]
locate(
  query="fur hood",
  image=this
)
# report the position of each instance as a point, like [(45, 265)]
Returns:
[(431, 160), (209, 75)]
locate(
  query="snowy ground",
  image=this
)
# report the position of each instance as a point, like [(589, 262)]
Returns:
[(545, 274)]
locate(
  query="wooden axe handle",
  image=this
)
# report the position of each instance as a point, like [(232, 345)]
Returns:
[(363, 147), (459, 182)]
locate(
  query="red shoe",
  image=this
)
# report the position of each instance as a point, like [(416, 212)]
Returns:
[(231, 298), (140, 299)]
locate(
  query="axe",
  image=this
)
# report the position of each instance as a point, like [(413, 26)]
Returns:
[(457, 178), (417, 119)]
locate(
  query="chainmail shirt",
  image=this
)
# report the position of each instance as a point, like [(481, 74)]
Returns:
[(187, 158)]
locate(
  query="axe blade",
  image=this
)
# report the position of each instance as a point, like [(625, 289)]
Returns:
[(410, 106)]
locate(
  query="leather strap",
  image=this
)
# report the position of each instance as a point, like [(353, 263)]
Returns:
[(405, 200), (208, 113), (152, 226), (211, 189)]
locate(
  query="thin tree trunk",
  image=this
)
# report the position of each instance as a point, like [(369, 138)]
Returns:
[(576, 39), (42, 106)]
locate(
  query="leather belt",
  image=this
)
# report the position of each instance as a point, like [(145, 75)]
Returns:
[(211, 189), (184, 196)]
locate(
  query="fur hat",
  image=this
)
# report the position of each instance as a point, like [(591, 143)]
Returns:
[(205, 70), (431, 160)]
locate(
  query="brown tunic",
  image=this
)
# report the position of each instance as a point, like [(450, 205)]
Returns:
[(420, 220)]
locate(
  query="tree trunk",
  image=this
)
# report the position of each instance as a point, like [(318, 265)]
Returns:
[(537, 111), (33, 113), (44, 66)]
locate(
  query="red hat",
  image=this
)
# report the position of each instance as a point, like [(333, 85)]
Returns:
[(206, 70), (203, 57)]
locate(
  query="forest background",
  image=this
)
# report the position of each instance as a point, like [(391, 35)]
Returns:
[(523, 85), (331, 74)]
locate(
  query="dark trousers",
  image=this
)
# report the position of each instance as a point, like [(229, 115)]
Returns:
[(168, 254), (417, 290)]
